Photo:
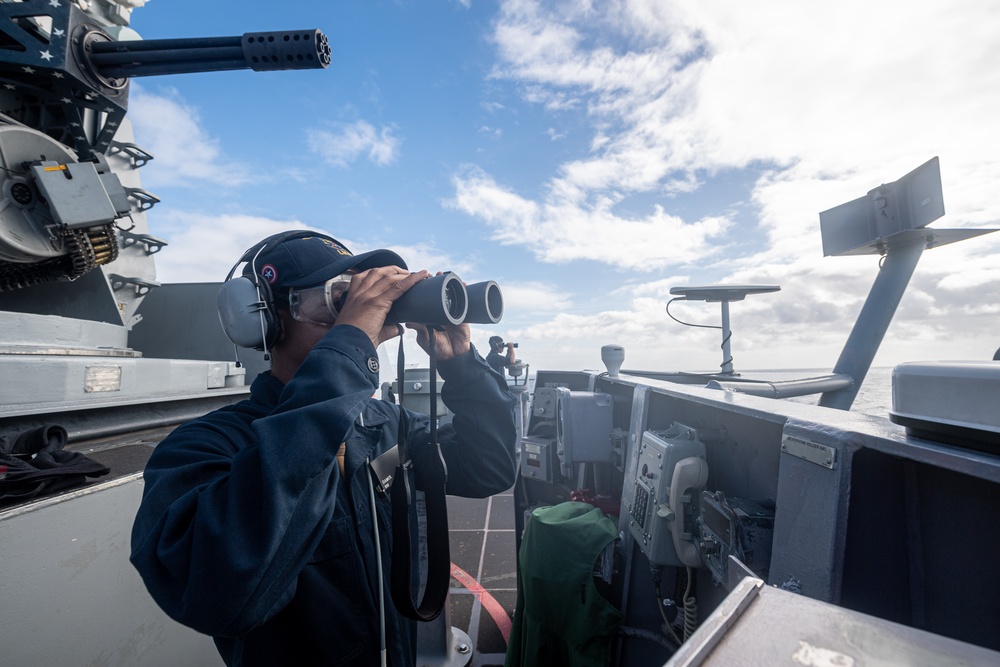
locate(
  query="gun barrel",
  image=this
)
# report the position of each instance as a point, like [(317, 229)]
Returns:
[(259, 51)]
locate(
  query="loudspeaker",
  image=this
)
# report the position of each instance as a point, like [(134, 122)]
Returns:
[(246, 306)]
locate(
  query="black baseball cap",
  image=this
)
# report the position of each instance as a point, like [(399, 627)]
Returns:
[(305, 261)]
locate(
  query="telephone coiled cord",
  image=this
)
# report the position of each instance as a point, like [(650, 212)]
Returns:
[(666, 623), (656, 571), (690, 608)]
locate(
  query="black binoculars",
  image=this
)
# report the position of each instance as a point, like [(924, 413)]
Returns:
[(445, 299)]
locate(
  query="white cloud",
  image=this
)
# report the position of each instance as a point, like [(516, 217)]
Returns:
[(348, 142), (826, 106), (680, 88), (494, 133), (562, 229), (204, 247), (533, 298), (184, 154)]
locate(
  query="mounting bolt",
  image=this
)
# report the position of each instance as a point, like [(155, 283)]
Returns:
[(464, 648)]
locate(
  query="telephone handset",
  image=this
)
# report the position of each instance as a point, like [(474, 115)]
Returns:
[(670, 474), (689, 478)]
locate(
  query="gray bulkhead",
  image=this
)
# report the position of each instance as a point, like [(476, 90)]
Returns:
[(864, 517)]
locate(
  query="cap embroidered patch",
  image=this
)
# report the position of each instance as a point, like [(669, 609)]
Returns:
[(336, 247), (269, 273)]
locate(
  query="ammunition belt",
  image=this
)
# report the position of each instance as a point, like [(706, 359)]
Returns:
[(85, 250)]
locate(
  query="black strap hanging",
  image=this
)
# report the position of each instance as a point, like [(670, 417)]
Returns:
[(405, 568)]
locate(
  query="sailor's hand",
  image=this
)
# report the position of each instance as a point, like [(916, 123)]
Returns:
[(370, 297), (449, 342)]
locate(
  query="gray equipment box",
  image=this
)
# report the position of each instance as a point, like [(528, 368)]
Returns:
[(537, 456), (734, 527), (583, 428), (953, 402), (652, 520)]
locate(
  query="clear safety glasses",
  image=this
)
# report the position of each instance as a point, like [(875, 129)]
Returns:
[(320, 304)]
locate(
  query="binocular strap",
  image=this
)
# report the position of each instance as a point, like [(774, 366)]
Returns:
[(405, 540)]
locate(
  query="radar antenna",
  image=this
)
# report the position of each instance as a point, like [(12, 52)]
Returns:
[(719, 294)]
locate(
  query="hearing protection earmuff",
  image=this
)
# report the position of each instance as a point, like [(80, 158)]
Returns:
[(246, 304)]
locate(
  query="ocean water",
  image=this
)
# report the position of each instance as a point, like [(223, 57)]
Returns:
[(874, 398)]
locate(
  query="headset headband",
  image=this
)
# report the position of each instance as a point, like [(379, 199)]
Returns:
[(246, 304)]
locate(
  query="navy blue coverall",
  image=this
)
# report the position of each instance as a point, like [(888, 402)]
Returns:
[(248, 533)]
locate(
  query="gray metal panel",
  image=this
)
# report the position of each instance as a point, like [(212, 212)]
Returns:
[(878, 218), (51, 331), (86, 298), (640, 403), (75, 194), (79, 600), (848, 226), (53, 383), (828, 514), (810, 521), (766, 626), (181, 321)]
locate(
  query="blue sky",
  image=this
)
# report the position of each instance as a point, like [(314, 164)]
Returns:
[(588, 156)]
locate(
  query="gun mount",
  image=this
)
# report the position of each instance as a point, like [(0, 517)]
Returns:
[(64, 82), (59, 62), (259, 51)]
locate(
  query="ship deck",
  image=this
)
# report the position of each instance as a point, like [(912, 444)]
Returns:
[(484, 573)]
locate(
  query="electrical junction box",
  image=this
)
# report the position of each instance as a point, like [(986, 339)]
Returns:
[(537, 456), (583, 428), (543, 403), (652, 520)]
